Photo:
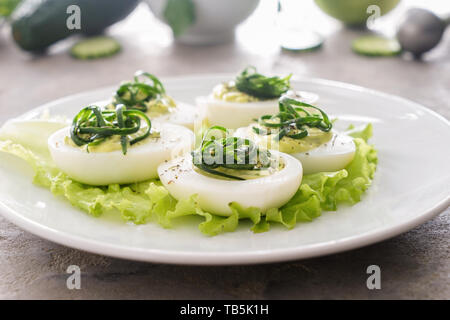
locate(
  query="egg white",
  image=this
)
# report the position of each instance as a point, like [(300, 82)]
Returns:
[(215, 195), (183, 114), (333, 155), (103, 168), (233, 115)]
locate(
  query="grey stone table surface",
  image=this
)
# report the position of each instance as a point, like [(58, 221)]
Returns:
[(414, 264)]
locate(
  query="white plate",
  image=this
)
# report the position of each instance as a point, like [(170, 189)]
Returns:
[(412, 184)]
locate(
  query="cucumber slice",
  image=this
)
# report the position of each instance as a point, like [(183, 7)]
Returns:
[(376, 46), (95, 47)]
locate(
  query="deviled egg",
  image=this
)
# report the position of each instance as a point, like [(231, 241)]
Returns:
[(120, 146), (238, 102), (147, 94), (305, 132), (230, 169)]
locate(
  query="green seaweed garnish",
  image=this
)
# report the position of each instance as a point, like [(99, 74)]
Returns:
[(293, 120), (92, 126), (230, 153), (255, 84), (135, 94)]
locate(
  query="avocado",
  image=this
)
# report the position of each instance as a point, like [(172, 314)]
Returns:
[(36, 24)]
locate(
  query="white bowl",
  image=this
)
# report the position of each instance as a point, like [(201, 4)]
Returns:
[(215, 20)]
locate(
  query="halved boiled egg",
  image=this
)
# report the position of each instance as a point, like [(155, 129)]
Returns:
[(332, 155), (108, 164), (182, 180), (233, 114)]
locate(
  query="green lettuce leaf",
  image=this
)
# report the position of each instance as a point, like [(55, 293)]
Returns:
[(149, 201)]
